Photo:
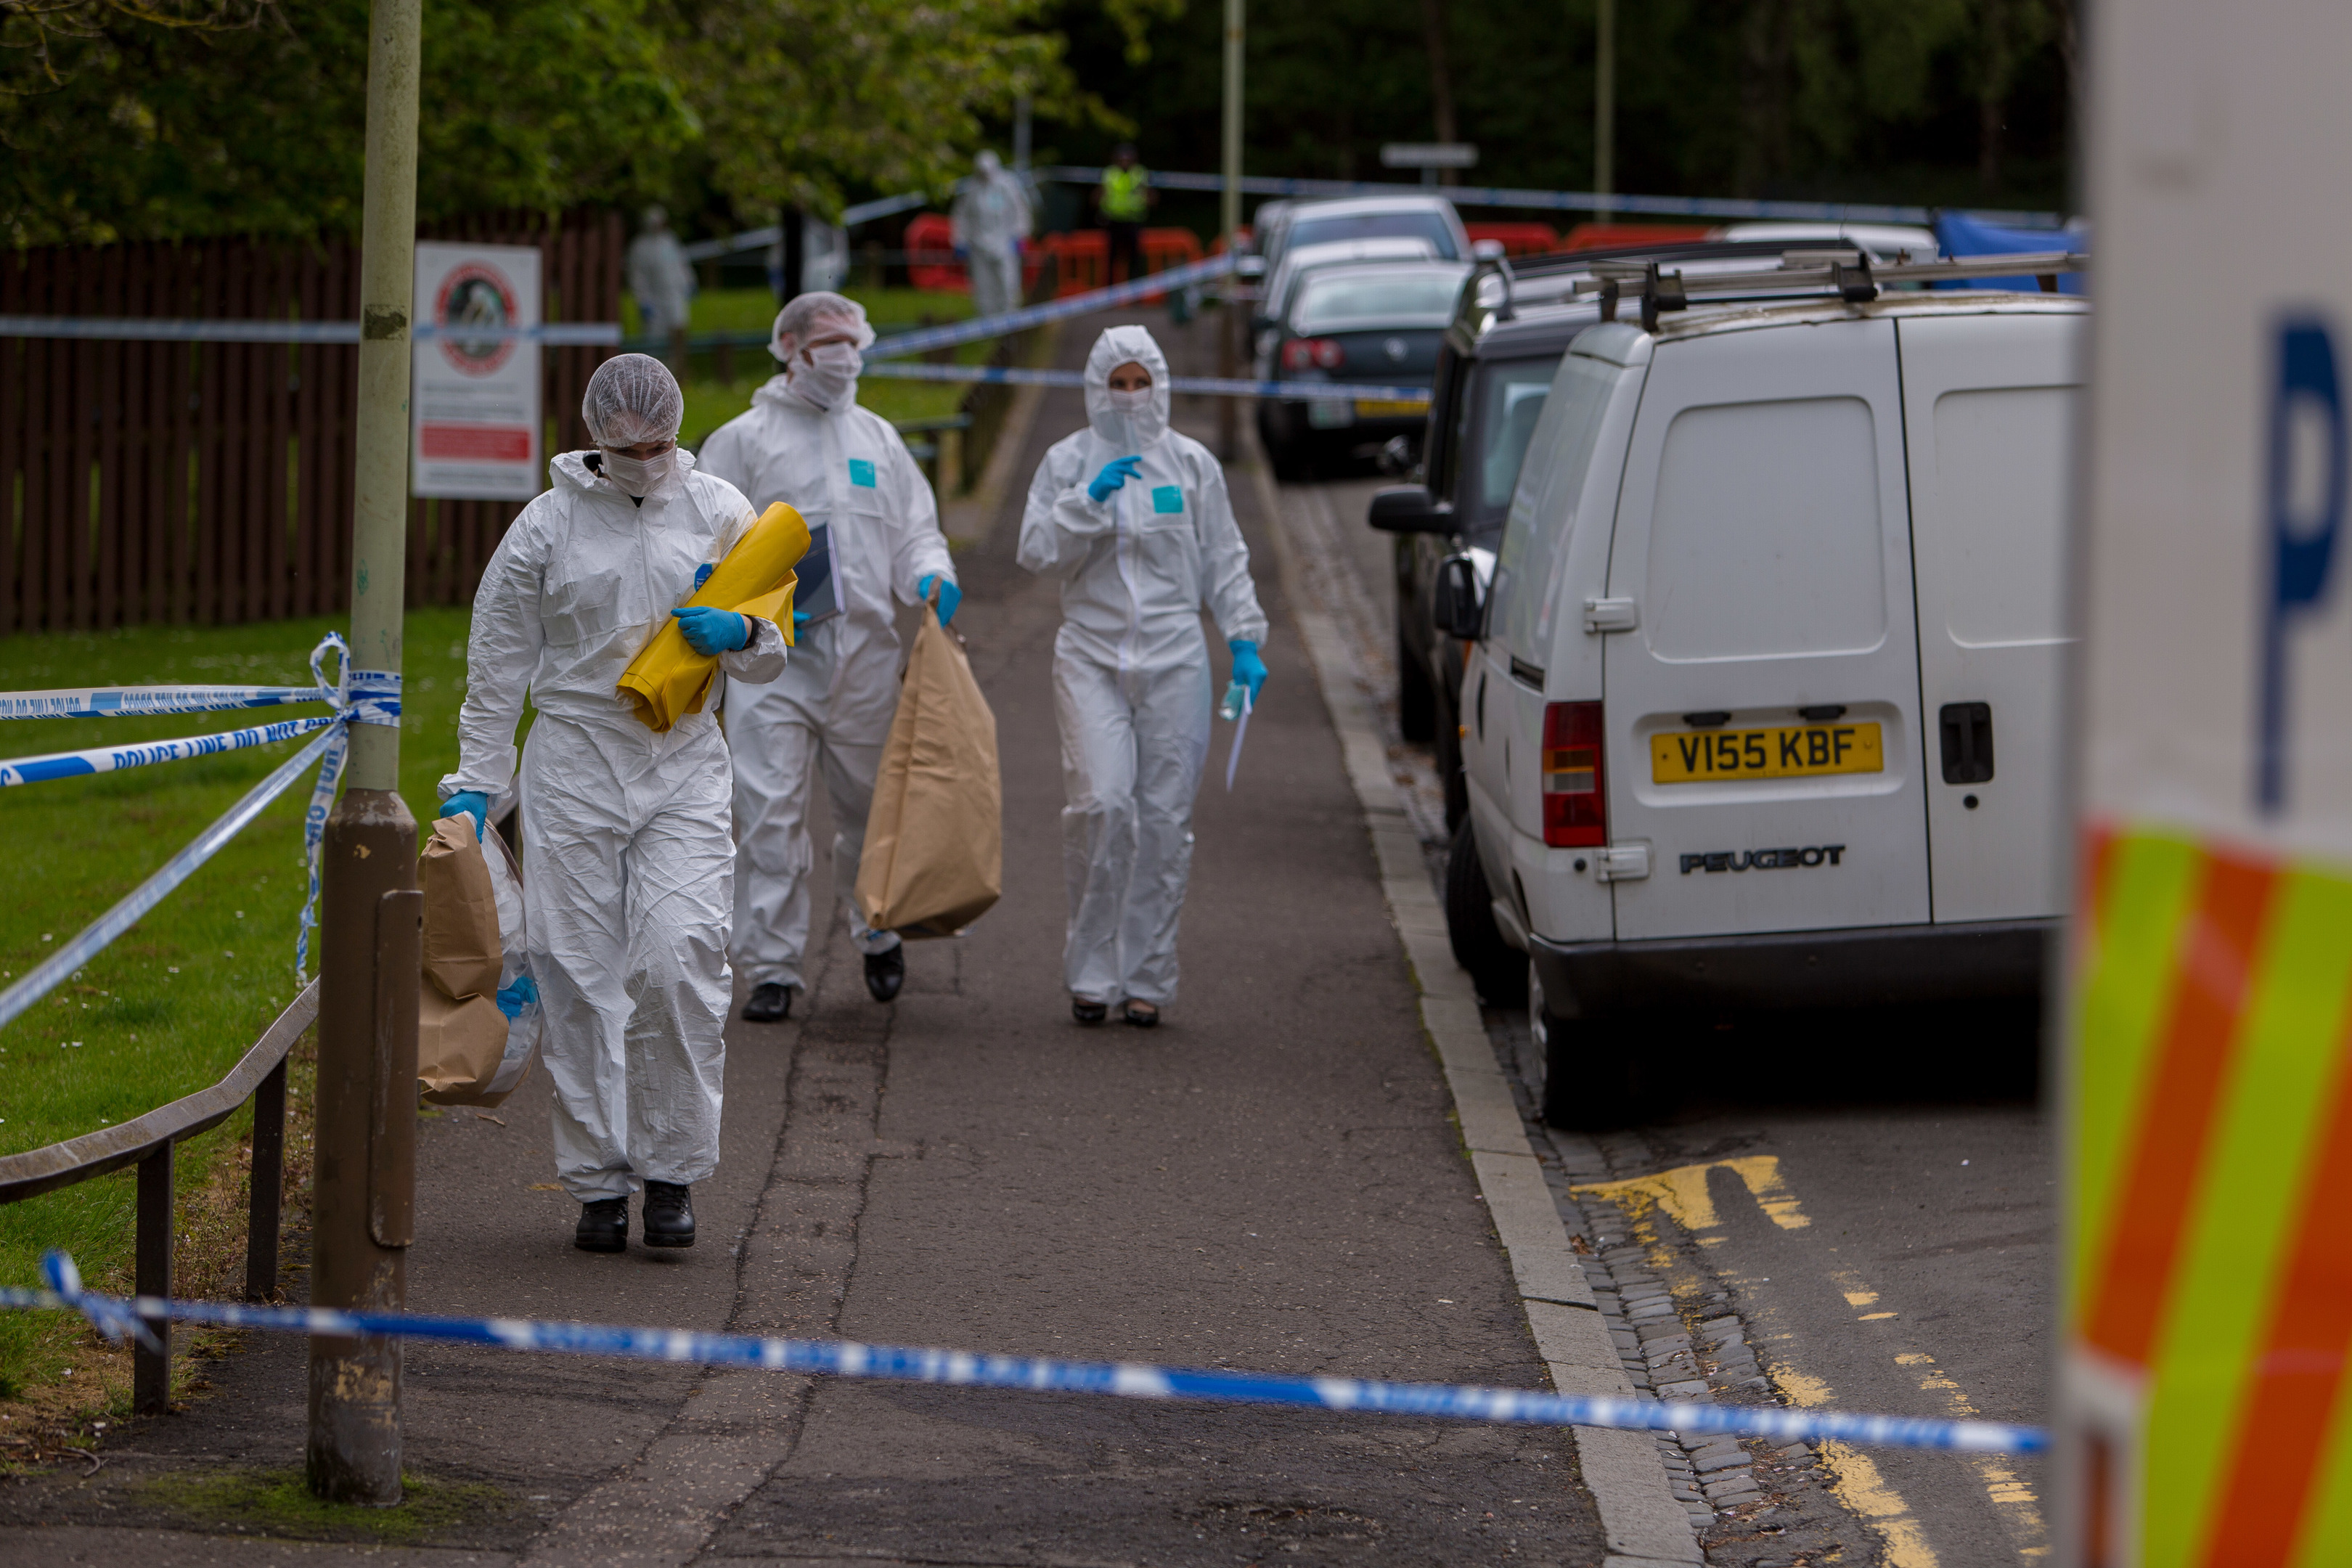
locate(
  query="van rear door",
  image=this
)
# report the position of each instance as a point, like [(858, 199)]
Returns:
[(1761, 716), (1989, 406)]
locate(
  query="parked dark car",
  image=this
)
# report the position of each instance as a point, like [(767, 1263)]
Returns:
[(1493, 370), (1373, 323)]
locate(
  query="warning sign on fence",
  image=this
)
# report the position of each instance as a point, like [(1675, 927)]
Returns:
[(474, 399)]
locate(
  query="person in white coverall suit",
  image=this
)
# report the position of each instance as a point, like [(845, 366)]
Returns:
[(806, 442), (1134, 519), (986, 225), (628, 853)]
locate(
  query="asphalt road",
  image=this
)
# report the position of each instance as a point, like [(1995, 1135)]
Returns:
[(1270, 1180), (1899, 1255)]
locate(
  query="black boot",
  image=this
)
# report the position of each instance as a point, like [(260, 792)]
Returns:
[(884, 972), (603, 1227), (669, 1215), (768, 1004)]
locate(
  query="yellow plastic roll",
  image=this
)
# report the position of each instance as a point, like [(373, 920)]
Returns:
[(668, 679)]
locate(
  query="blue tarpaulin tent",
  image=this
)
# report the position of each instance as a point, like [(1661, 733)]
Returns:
[(1962, 236)]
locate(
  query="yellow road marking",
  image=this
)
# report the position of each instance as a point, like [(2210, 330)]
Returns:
[(1859, 1298), (1682, 1192)]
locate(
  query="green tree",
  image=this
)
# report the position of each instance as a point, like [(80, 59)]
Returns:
[(152, 132), (802, 101)]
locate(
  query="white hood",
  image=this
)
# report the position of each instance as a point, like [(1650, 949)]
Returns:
[(1114, 348)]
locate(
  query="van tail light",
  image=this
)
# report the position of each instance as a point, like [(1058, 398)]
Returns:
[(1575, 806), (1300, 353)]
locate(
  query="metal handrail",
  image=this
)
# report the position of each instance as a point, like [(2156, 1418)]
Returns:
[(146, 1141)]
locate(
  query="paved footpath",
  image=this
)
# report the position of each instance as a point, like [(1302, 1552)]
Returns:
[(1270, 1180)]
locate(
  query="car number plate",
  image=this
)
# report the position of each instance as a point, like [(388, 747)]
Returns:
[(1800, 751), (1388, 408)]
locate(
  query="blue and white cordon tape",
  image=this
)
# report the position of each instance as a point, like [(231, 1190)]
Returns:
[(116, 1316), (1194, 385), (355, 697), (922, 339)]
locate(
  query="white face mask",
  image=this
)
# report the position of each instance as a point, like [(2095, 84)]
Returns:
[(638, 477), (827, 374), (1134, 412)]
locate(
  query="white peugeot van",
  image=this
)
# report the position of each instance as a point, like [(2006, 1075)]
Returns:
[(1764, 707)]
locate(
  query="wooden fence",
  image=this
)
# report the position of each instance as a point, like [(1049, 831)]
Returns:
[(210, 483)]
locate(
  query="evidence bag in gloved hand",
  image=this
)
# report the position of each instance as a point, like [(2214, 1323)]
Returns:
[(934, 856), (668, 679), (470, 1050)]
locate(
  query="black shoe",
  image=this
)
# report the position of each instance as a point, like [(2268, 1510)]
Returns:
[(1142, 1015), (884, 972), (669, 1215), (603, 1227), (1087, 1011), (768, 1004)]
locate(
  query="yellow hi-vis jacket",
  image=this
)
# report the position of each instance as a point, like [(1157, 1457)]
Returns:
[(1123, 194)]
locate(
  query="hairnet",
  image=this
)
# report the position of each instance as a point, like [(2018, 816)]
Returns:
[(987, 162), (808, 315), (633, 398)]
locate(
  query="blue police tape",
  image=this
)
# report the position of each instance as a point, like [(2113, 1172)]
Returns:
[(93, 939), (146, 701), (924, 338), (115, 759), (356, 696), (1566, 201), (115, 1316), (185, 329), (1196, 385)]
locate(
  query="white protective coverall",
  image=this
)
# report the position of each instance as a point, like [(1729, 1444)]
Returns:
[(845, 466), (628, 854), (989, 221), (1131, 667), (660, 276)]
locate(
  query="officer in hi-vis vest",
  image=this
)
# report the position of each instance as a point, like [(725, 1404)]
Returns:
[(1124, 198)]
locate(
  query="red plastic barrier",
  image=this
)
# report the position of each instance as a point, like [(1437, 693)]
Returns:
[(1605, 235), (1518, 239)]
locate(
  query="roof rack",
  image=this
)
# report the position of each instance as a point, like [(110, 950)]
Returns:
[(1844, 273)]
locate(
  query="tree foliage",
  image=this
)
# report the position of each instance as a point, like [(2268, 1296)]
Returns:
[(1931, 101), (115, 124), (802, 99)]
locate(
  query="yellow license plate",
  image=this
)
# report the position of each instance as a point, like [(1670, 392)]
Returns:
[(1802, 750), (1388, 408)]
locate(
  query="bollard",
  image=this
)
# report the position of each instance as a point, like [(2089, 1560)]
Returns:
[(363, 1189)]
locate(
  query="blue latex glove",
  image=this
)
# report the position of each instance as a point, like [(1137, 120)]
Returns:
[(522, 994), (800, 622), (1116, 472), (711, 630), (702, 574), (950, 595), (1248, 668), (468, 802), (964, 252)]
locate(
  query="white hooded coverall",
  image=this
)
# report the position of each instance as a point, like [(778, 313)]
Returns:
[(1131, 667), (627, 850), (990, 219), (847, 467)]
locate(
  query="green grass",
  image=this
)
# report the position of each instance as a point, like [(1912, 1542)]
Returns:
[(176, 1001), (279, 1503)]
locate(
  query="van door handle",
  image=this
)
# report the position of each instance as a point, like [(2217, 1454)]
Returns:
[(1621, 863), (1967, 733), (1610, 615)]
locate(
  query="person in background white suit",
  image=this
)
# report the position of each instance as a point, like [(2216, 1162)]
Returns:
[(1134, 519), (662, 280), (629, 859), (807, 443), (987, 224)]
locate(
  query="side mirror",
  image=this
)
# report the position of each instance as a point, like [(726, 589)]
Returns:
[(1455, 604), (1407, 509)]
